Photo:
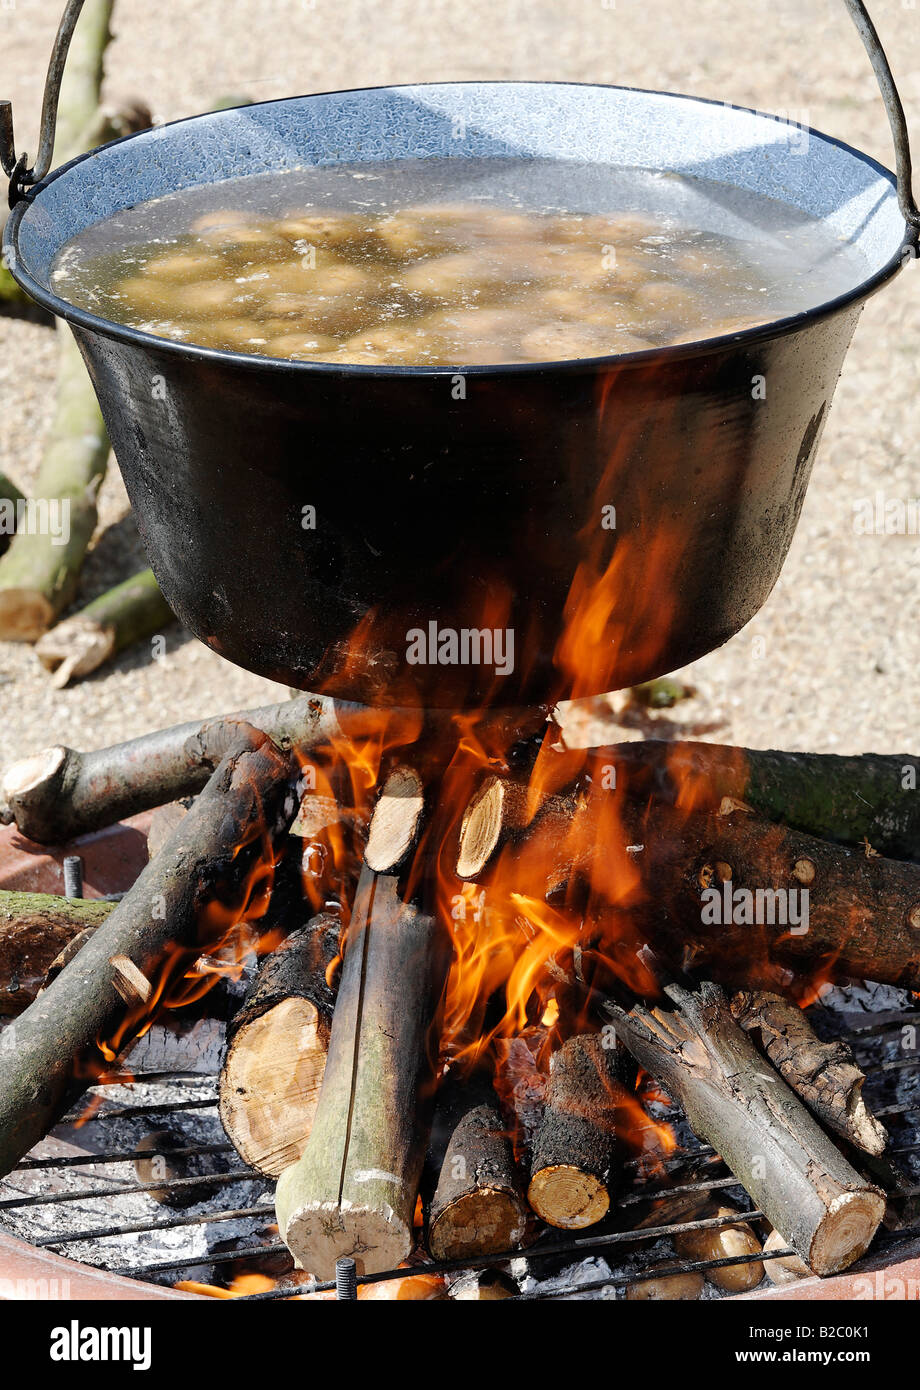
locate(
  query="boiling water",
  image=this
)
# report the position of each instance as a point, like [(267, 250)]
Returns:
[(454, 262)]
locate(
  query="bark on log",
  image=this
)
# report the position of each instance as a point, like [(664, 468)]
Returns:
[(823, 1074), (863, 911), (477, 1207), (854, 915), (124, 614), (40, 571), (34, 929), (787, 1164), (276, 1050), (60, 793), (572, 1163), (847, 799), (161, 926), (354, 1190)]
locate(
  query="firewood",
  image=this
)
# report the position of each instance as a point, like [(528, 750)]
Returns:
[(34, 929), (666, 1288), (477, 1207), (161, 926), (738, 1104), (785, 1269), (719, 1243), (572, 1161), (863, 910), (823, 1074), (354, 1190), (83, 642), (60, 793), (847, 799), (276, 1050), (396, 820), (129, 982), (40, 571)]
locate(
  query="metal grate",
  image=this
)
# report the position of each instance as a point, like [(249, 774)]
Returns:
[(892, 1090)]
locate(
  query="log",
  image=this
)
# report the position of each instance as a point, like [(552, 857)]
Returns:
[(132, 610), (854, 914), (787, 1164), (34, 929), (276, 1050), (354, 1190), (40, 571), (863, 910), (59, 793), (477, 1207), (823, 1074), (847, 799), (396, 821), (181, 906), (572, 1162)]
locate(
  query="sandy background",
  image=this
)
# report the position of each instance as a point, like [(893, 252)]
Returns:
[(831, 663)]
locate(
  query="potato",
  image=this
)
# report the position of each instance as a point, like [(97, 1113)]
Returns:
[(182, 266), (297, 346), (322, 228), (717, 1243), (663, 299), (788, 1269), (565, 342), (454, 279), (223, 217), (242, 335), (408, 238), (148, 296), (208, 297), (667, 1288), (403, 344)]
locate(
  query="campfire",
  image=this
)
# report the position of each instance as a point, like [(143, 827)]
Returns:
[(487, 991)]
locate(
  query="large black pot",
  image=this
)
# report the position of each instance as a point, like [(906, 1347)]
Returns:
[(447, 502)]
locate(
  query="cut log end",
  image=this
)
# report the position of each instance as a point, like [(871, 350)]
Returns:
[(270, 1087), (481, 828), (482, 1222), (395, 821), (568, 1197), (319, 1233), (28, 774), (25, 615), (847, 1230)]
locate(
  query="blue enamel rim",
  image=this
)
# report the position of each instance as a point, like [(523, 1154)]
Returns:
[(250, 361)]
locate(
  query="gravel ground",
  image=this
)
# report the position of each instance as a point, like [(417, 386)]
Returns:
[(831, 661)]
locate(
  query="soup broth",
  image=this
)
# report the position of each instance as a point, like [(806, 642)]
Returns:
[(453, 263)]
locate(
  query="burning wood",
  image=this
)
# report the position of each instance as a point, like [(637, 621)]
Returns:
[(787, 1164), (823, 1074), (276, 1050), (160, 927), (725, 891), (572, 1163), (354, 1190), (477, 1207)]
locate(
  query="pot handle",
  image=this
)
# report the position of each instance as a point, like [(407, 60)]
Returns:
[(22, 177)]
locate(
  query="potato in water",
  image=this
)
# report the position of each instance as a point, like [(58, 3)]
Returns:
[(449, 282)]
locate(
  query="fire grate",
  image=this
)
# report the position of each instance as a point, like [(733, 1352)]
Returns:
[(218, 1220)]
